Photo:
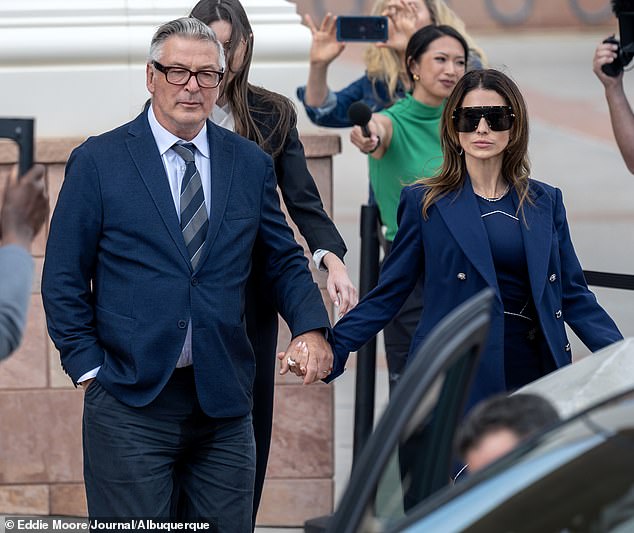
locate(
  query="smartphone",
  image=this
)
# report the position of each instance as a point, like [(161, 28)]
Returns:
[(20, 130), (366, 29)]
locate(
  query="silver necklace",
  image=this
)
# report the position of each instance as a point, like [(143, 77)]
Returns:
[(495, 198)]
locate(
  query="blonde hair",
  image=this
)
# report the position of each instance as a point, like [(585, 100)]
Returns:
[(384, 64)]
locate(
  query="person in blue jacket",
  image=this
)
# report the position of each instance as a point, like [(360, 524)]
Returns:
[(483, 222)]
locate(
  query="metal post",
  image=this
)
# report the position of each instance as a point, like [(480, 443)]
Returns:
[(366, 356)]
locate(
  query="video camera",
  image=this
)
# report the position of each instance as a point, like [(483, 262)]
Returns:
[(624, 11)]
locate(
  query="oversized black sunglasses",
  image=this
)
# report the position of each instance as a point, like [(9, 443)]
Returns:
[(498, 117)]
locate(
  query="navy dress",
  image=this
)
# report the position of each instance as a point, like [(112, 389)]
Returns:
[(526, 354)]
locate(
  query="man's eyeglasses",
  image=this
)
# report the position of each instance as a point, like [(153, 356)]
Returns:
[(207, 79), (499, 118)]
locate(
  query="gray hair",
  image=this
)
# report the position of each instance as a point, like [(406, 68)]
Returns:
[(189, 28)]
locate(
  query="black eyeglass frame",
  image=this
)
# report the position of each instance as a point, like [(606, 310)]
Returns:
[(165, 70), (497, 122)]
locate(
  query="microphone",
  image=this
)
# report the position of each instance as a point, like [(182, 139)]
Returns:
[(360, 115)]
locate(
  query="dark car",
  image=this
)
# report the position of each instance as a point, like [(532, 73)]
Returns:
[(576, 477)]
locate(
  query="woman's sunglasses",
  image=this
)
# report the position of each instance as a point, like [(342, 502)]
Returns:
[(499, 118)]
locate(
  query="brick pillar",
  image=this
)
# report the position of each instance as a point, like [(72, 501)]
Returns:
[(40, 410)]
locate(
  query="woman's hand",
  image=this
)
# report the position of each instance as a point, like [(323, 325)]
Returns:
[(340, 288), (404, 19), (377, 143), (324, 47), (323, 50)]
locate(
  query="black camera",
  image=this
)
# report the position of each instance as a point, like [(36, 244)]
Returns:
[(624, 10)]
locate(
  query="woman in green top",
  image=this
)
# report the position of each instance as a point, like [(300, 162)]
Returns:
[(404, 145)]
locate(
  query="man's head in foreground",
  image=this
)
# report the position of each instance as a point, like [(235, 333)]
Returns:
[(497, 425)]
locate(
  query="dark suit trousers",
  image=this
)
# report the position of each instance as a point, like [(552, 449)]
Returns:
[(167, 459)]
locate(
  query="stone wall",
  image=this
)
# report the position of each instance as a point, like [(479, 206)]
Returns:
[(40, 410)]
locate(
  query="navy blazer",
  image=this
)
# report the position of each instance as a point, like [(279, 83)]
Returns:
[(451, 252), (118, 285)]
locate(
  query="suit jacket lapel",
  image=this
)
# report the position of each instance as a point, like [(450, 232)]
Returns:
[(462, 216), (222, 156), (537, 237), (148, 161)]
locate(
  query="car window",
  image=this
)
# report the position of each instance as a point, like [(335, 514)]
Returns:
[(409, 455), (576, 478), (593, 492)]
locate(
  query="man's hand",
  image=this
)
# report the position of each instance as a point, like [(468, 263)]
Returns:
[(25, 208), (85, 384), (340, 288), (605, 54), (308, 355)]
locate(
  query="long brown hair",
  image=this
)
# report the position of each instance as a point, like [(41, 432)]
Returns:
[(238, 91), (515, 162)]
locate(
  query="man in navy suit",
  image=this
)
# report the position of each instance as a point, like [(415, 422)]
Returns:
[(146, 265)]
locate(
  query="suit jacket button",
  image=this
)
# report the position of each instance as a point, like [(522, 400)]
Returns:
[(567, 347), (461, 276), (552, 278), (194, 281), (558, 313), (182, 324)]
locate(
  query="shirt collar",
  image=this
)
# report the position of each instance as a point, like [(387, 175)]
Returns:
[(165, 139)]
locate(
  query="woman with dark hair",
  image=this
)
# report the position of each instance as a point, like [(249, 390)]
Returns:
[(405, 145), (483, 222), (268, 119)]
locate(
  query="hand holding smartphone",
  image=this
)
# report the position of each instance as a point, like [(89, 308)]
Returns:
[(361, 29)]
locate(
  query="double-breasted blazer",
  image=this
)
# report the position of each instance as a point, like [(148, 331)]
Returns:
[(450, 251), (118, 285)]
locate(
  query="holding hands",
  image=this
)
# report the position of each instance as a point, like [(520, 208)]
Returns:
[(308, 356)]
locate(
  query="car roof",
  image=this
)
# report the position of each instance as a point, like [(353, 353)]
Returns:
[(590, 381)]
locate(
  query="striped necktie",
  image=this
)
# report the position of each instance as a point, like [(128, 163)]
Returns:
[(194, 220)]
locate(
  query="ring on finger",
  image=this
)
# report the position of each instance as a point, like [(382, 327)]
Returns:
[(291, 362)]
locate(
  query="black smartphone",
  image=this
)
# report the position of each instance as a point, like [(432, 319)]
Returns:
[(366, 29), (21, 131)]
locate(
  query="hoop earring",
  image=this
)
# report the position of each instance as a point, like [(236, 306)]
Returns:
[(461, 151), (416, 77)]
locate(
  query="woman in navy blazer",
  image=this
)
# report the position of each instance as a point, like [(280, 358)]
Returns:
[(482, 222)]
